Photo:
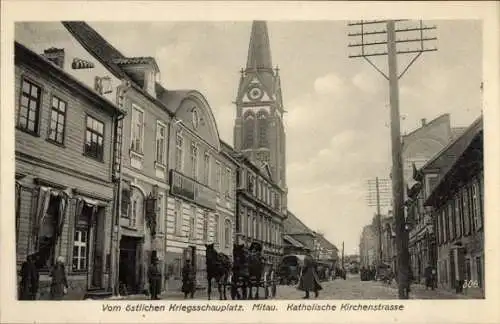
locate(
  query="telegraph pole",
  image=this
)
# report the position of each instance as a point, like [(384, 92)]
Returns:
[(378, 195), (397, 164)]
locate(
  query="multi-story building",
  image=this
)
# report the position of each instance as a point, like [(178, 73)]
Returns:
[(457, 203), (65, 153), (328, 253), (368, 246), (259, 217), (144, 177), (419, 149), (388, 241), (202, 201)]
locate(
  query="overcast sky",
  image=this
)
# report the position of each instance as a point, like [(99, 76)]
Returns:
[(337, 125)]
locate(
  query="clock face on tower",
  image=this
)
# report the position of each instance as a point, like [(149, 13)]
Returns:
[(255, 93)]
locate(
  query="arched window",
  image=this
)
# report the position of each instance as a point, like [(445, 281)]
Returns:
[(248, 130), (227, 233), (262, 126)]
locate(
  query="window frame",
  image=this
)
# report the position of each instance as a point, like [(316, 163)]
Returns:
[(97, 158), (192, 224), (193, 154), (64, 116), (133, 124), (218, 177), (161, 160), (206, 168), (179, 151), (227, 233), (36, 131), (81, 229)]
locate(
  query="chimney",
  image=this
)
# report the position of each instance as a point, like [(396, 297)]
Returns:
[(424, 121), (55, 55)]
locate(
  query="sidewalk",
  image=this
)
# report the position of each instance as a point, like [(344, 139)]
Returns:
[(418, 291)]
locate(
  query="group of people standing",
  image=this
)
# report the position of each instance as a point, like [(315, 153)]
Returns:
[(30, 279)]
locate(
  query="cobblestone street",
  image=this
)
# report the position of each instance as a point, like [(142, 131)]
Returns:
[(350, 289)]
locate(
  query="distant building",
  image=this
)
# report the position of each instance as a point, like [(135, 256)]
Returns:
[(368, 246), (328, 252), (298, 238), (457, 206), (260, 215)]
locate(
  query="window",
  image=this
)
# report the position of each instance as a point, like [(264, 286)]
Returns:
[(137, 129), (458, 218), (161, 142), (249, 224), (465, 211), (206, 169), (192, 223), (242, 221), (178, 217), (57, 120), (179, 151), (227, 183), (254, 227), (80, 250), (468, 272), (134, 212), (248, 129), (125, 203), (194, 161), (444, 222), (29, 109), (262, 128), (205, 226), (227, 233), (94, 138), (450, 228), (476, 206), (219, 177)]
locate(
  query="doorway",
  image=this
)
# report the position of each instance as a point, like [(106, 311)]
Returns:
[(128, 277)]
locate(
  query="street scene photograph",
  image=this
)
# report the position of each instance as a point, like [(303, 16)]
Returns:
[(249, 160)]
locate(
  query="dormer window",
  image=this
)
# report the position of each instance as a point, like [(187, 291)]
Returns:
[(142, 70)]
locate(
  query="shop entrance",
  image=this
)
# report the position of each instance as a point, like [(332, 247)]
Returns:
[(128, 274)]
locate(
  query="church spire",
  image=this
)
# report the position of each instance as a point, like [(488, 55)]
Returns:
[(259, 51)]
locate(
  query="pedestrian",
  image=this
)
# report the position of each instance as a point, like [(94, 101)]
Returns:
[(309, 280), (59, 285), (30, 278), (154, 275), (188, 280), (429, 277)]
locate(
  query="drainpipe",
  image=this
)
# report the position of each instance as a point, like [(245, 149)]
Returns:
[(113, 281)]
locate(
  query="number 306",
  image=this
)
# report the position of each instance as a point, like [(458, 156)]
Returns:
[(470, 284)]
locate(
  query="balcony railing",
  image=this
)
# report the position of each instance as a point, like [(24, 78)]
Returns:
[(190, 189)]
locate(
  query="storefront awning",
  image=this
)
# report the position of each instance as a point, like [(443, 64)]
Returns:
[(293, 241), (91, 202)]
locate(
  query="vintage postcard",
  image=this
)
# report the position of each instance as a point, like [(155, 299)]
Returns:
[(249, 162)]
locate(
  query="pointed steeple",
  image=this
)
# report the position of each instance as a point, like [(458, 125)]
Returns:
[(259, 51)]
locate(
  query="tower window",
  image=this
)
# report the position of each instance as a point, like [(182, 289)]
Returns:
[(262, 129), (249, 128)]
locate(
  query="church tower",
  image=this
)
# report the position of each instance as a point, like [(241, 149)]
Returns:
[(259, 131)]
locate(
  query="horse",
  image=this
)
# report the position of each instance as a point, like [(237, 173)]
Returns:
[(255, 269), (240, 272), (218, 268)]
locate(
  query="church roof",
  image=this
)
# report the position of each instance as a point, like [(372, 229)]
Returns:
[(259, 51)]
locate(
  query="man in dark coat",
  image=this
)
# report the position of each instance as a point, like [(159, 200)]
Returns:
[(188, 280), (429, 277), (154, 275), (30, 278), (309, 279)]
